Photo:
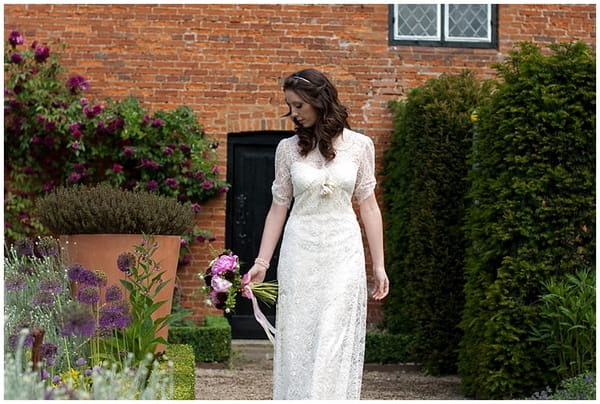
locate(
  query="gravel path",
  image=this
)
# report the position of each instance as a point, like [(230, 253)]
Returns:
[(249, 377)]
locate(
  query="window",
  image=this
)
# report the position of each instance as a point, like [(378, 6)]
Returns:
[(450, 25)]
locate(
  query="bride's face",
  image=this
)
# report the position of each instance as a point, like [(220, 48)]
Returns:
[(300, 112)]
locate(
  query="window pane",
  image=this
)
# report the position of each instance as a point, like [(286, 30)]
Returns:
[(468, 22), (417, 21)]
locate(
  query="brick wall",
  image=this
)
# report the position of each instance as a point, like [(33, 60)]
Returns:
[(227, 62)]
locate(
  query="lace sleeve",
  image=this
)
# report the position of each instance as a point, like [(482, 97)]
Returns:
[(365, 177), (282, 184)]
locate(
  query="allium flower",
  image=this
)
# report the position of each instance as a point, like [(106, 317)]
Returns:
[(172, 182), (41, 54), (81, 362), (43, 298), (24, 247), (113, 293), (101, 278), (88, 277), (15, 282), (49, 350), (77, 83), (46, 247), (44, 374), (52, 285), (88, 295), (115, 316), (78, 320), (16, 58), (125, 261), (74, 272), (15, 38)]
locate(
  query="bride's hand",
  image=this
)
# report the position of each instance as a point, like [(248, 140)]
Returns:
[(381, 285), (257, 274)]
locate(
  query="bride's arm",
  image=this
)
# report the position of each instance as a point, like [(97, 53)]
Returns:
[(272, 232), (371, 218)]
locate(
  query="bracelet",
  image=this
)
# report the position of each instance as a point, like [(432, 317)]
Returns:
[(262, 263)]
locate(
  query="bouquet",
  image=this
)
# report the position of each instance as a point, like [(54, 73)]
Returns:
[(224, 281)]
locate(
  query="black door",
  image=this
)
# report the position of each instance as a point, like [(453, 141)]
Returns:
[(250, 171)]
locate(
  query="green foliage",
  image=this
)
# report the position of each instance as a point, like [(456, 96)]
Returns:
[(580, 387), (424, 188), (184, 376), (104, 209), (383, 347), (55, 136), (567, 326), (531, 214), (210, 342)]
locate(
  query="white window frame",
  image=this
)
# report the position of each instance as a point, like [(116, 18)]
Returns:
[(444, 40)]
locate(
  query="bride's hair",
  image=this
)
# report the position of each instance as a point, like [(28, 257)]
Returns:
[(315, 89)]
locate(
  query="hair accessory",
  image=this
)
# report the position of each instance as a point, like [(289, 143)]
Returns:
[(301, 78)]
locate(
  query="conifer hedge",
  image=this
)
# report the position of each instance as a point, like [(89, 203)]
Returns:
[(531, 214), (425, 185)]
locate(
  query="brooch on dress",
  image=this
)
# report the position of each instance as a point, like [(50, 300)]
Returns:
[(327, 188)]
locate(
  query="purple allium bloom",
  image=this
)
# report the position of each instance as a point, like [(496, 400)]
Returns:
[(52, 285), (125, 261), (172, 183), (13, 341), (115, 316), (152, 185), (88, 295), (56, 379), (78, 320), (16, 58), (128, 151), (74, 272), (101, 278), (43, 298), (77, 83), (24, 247), (46, 247), (88, 277), (15, 38), (44, 374), (81, 362), (88, 372), (42, 53), (207, 184), (157, 123), (113, 293), (49, 350), (15, 282)]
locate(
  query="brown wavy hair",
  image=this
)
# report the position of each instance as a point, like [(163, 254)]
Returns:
[(315, 89)]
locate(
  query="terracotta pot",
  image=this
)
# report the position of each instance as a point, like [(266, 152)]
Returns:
[(100, 252)]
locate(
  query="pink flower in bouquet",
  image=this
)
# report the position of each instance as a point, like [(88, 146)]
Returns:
[(220, 285), (246, 288), (224, 263)]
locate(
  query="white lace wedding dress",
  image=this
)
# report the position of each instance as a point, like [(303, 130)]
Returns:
[(321, 309)]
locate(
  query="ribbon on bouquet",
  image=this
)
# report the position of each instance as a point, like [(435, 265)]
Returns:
[(258, 314), (262, 320)]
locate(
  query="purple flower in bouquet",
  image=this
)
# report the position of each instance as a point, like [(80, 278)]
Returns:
[(220, 285), (78, 320), (225, 262)]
